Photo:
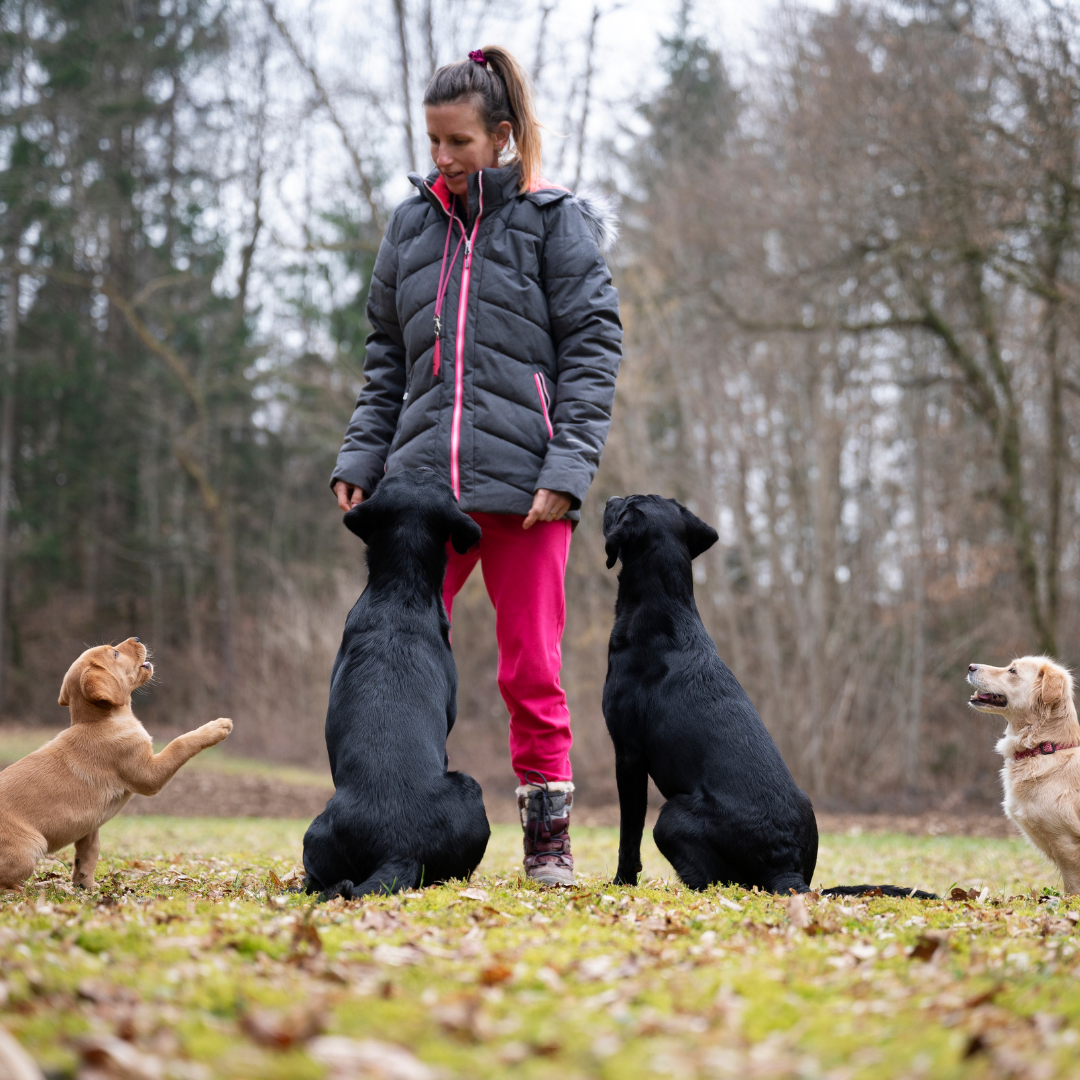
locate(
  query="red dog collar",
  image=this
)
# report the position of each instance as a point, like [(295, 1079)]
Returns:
[(1045, 748)]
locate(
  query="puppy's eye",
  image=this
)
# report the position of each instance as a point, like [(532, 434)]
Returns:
[(1012, 671), (116, 655)]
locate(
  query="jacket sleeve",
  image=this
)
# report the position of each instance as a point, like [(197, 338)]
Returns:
[(374, 420), (583, 310)]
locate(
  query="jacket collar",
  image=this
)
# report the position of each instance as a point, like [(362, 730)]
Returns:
[(500, 186)]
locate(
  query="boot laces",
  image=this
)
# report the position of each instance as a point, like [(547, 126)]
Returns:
[(543, 821)]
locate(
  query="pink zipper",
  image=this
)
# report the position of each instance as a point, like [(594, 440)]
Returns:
[(440, 292), (459, 351), (541, 389)]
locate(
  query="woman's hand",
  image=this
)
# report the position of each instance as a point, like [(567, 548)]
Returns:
[(348, 495), (547, 506)]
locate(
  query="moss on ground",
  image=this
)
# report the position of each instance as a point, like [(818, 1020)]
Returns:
[(194, 953)]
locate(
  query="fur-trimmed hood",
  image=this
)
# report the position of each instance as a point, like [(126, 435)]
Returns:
[(601, 211)]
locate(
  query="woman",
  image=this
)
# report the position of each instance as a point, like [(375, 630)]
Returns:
[(495, 341)]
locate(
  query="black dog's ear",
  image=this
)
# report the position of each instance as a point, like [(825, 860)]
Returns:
[(615, 529), (612, 545), (699, 536), (363, 519), (464, 532)]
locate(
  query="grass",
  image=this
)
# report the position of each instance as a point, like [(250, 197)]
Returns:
[(194, 954)]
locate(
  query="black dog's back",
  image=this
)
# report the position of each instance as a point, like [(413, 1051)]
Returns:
[(734, 813), (398, 818), (676, 712)]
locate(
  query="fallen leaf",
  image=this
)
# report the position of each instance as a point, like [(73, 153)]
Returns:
[(347, 1059), (396, 955), (306, 939), (495, 974), (863, 951), (550, 978), (15, 1062), (473, 894), (596, 967), (925, 947), (280, 1030), (984, 998), (796, 912), (976, 1044), (376, 919), (111, 1057), (101, 992), (463, 1017)]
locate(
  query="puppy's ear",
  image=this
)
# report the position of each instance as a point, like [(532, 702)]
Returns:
[(1050, 686), (101, 687), (65, 691), (699, 536), (464, 532), (363, 519)]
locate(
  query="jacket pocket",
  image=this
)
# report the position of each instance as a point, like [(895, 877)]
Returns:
[(545, 401)]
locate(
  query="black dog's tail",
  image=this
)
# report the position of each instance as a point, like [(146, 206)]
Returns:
[(878, 890)]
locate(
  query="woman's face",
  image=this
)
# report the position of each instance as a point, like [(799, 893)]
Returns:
[(460, 144)]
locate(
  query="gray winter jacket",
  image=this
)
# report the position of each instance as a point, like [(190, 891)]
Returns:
[(518, 394)]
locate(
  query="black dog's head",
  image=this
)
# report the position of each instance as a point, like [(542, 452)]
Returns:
[(638, 521), (416, 504)]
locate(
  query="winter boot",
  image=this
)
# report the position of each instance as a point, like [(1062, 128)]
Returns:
[(545, 817)]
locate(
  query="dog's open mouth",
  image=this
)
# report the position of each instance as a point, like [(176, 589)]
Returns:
[(982, 697)]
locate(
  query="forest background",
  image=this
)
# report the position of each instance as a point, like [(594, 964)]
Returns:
[(850, 279)]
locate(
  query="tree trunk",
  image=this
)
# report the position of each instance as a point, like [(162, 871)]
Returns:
[(918, 595), (7, 447)]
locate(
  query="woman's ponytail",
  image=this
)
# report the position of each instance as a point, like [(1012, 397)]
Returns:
[(504, 93), (525, 125)]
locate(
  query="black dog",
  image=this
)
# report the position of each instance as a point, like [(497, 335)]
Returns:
[(398, 819), (676, 713)]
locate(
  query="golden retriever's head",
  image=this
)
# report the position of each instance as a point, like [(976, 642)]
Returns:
[(1030, 691), (105, 676)]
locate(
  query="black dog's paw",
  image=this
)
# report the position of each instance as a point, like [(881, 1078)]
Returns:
[(345, 889), (626, 877)]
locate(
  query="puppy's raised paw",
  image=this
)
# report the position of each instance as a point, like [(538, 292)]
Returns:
[(217, 730)]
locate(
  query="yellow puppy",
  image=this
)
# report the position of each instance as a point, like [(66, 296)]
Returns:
[(64, 792), (1041, 748)]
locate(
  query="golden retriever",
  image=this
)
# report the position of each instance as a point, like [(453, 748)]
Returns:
[(1041, 748), (64, 792)]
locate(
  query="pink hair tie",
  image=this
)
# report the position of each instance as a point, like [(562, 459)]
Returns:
[(477, 57)]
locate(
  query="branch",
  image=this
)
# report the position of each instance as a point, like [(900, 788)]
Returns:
[(589, 51), (127, 308), (157, 285), (929, 320), (897, 322), (366, 184), (410, 148)]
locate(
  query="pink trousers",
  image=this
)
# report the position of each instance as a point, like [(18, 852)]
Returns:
[(524, 571)]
